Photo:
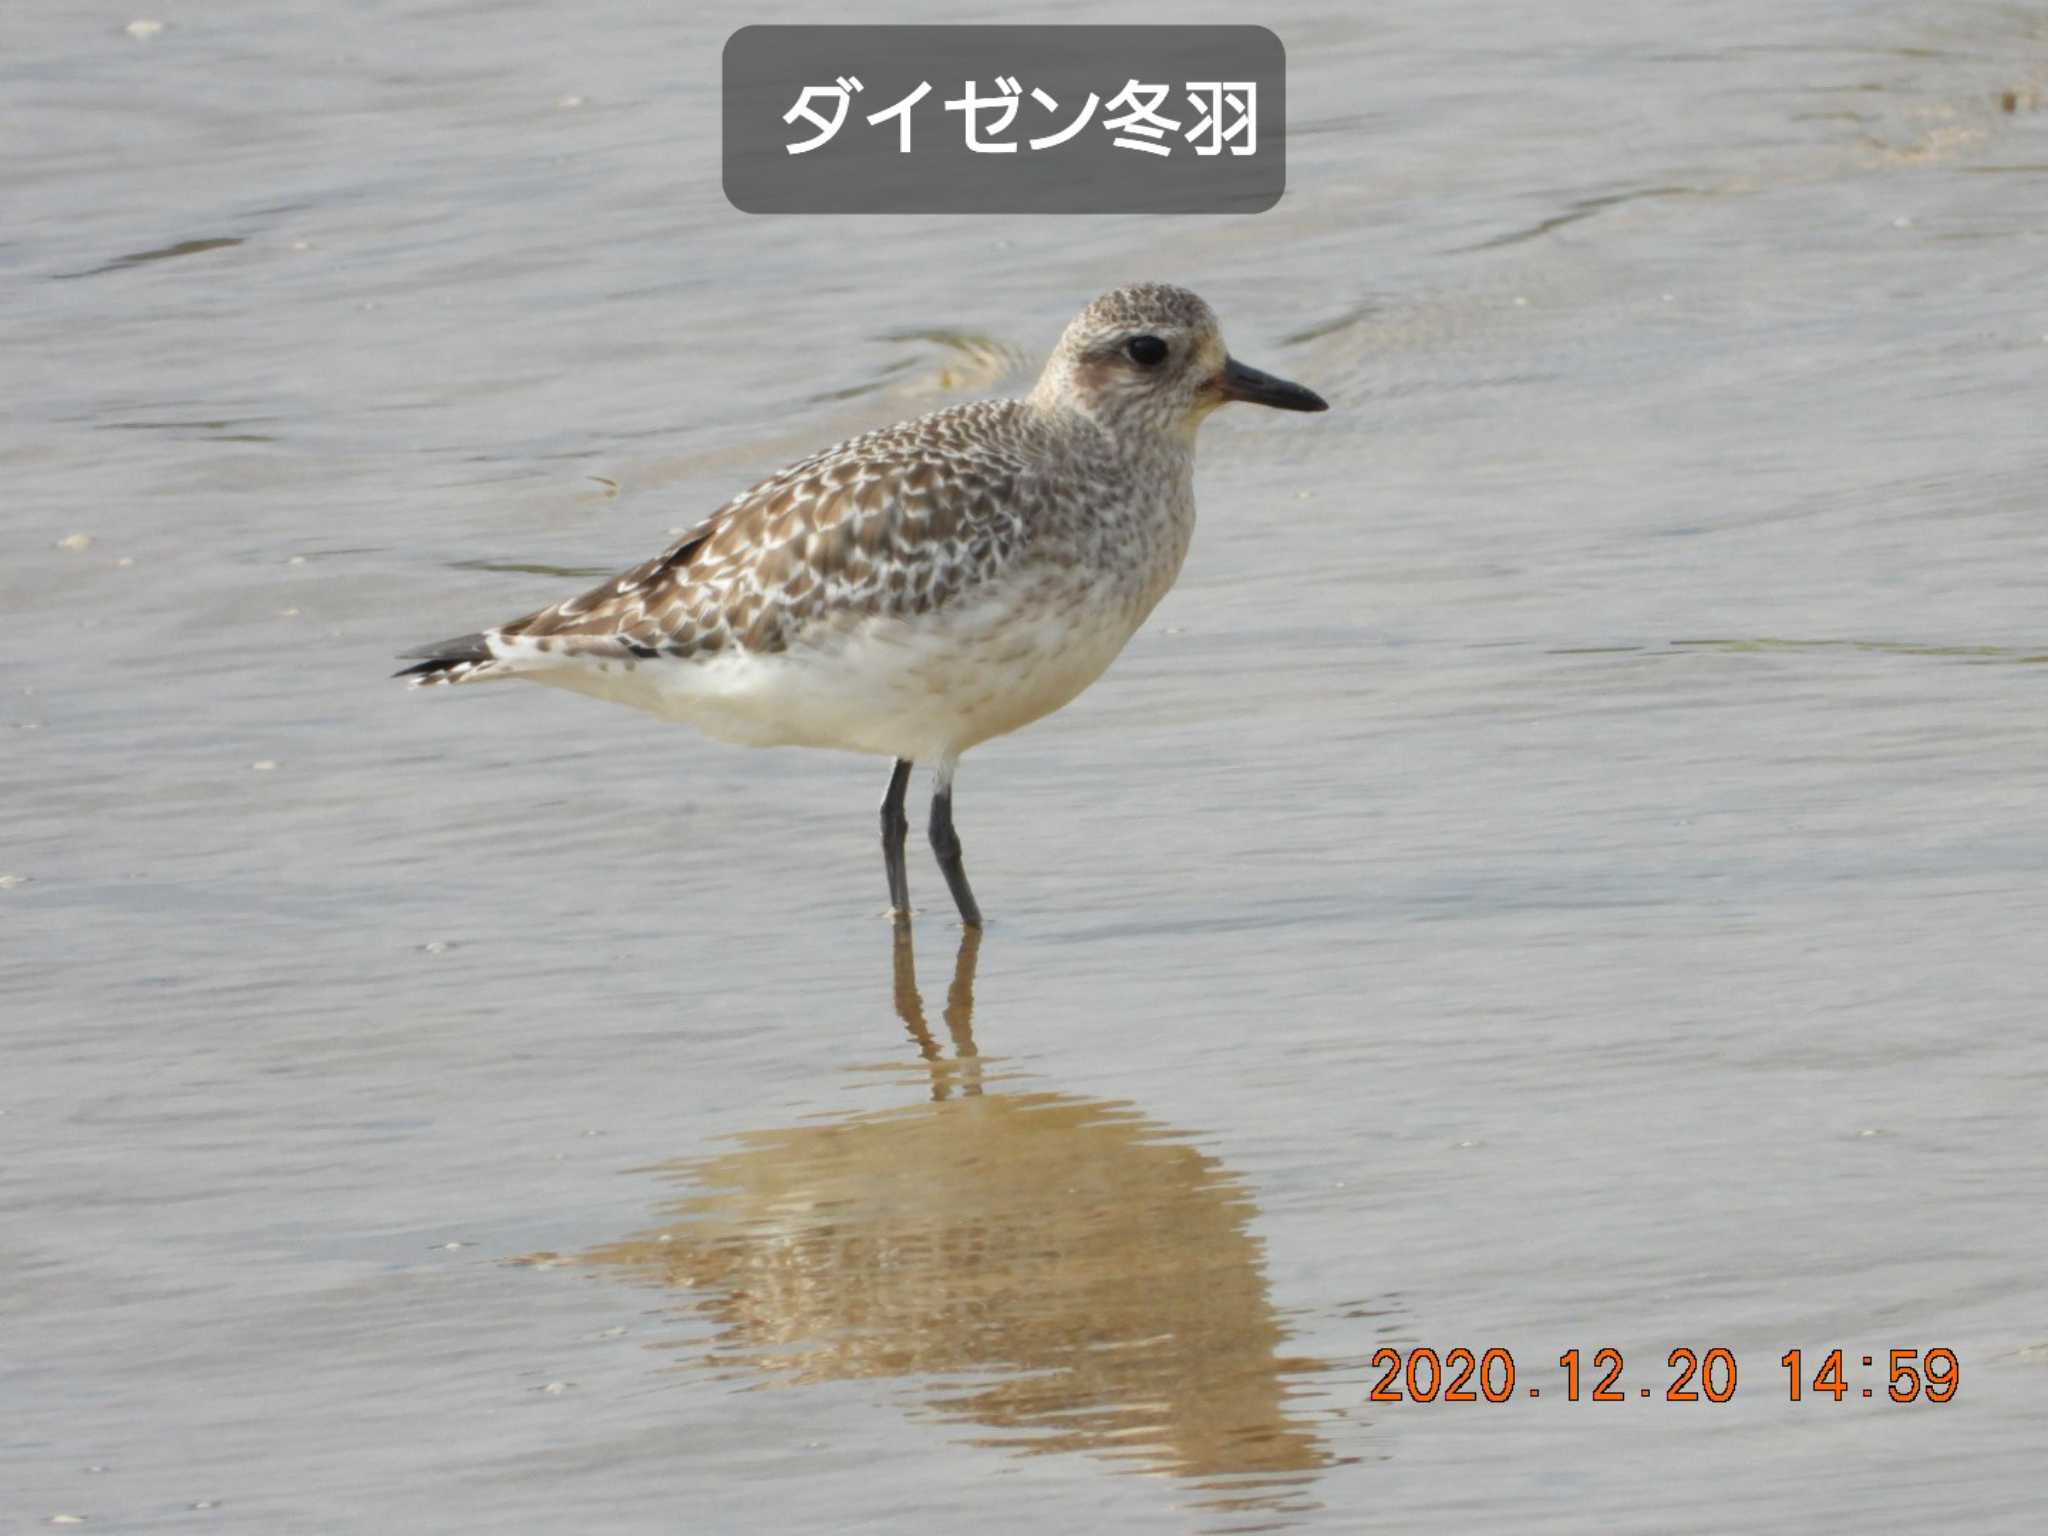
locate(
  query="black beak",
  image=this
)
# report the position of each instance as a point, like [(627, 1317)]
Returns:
[(1248, 384)]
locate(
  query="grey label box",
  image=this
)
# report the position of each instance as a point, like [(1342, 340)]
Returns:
[(1096, 119)]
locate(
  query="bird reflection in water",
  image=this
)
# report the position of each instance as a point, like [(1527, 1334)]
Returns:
[(1092, 1271), (965, 1068)]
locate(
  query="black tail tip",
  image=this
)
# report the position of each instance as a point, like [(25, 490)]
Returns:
[(448, 656), (431, 668)]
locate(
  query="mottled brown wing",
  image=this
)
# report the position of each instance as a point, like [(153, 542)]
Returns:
[(897, 522)]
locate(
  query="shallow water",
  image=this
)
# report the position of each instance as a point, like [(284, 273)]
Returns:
[(1560, 871)]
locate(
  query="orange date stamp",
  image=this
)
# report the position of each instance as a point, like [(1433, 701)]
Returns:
[(1423, 1375)]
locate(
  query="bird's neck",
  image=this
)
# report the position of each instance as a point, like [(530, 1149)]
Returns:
[(1168, 446)]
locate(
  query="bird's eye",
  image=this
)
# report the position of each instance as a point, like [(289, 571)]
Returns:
[(1148, 350)]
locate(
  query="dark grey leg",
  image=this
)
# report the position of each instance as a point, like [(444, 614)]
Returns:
[(895, 827), (946, 844)]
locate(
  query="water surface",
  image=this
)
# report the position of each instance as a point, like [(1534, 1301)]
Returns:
[(1561, 871)]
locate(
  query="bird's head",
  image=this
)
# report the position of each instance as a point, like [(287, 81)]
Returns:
[(1151, 356)]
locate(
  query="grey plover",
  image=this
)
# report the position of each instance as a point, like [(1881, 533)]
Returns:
[(915, 591)]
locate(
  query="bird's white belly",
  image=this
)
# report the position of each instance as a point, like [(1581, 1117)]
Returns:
[(924, 687)]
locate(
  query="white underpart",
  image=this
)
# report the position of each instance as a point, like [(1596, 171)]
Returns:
[(924, 688)]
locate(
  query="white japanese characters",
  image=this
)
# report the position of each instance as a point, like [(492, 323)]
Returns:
[(1226, 116), (1227, 108), (1003, 119), (841, 93), (901, 111), (1144, 118)]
